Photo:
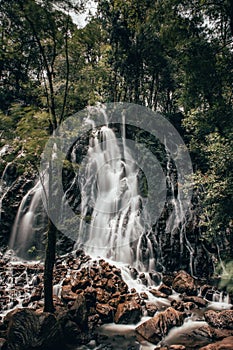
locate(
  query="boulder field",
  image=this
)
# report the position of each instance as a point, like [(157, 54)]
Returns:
[(91, 293)]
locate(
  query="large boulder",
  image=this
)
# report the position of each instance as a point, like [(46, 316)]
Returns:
[(151, 308), (225, 344), (128, 312), (200, 302), (158, 326), (105, 311), (78, 312), (163, 288), (184, 283), (223, 319), (157, 293), (28, 329)]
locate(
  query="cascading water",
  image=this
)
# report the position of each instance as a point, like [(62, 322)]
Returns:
[(109, 188), (115, 223), (28, 219), (4, 187), (114, 220)]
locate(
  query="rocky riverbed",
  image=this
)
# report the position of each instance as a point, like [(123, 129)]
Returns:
[(103, 306)]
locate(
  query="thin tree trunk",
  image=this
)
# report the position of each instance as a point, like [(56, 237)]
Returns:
[(50, 255)]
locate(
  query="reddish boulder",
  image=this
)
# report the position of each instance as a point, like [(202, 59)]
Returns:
[(102, 295), (28, 329), (105, 311), (196, 300), (151, 309), (157, 293), (223, 319), (184, 283), (178, 305), (78, 311), (225, 344), (67, 294), (128, 312), (144, 295), (157, 327), (90, 295), (81, 284), (165, 289)]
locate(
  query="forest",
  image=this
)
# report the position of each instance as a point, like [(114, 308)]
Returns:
[(171, 56)]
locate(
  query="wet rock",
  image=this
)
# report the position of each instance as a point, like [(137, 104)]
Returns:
[(207, 292), (106, 312), (90, 296), (178, 305), (73, 334), (143, 279), (184, 283), (28, 329), (133, 273), (156, 277), (177, 347), (128, 312), (116, 271), (67, 294), (79, 253), (81, 284), (157, 327), (78, 311), (36, 280), (115, 301), (132, 296), (144, 295), (151, 309), (165, 289), (196, 300), (189, 307), (157, 293), (205, 334), (223, 319), (36, 295), (225, 344), (93, 321), (102, 295), (167, 280), (218, 333)]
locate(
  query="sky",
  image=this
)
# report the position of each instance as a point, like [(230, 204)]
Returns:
[(80, 20)]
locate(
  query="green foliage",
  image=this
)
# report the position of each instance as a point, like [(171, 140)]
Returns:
[(227, 277), (25, 130)]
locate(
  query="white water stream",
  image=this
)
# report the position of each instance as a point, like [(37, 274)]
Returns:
[(109, 188)]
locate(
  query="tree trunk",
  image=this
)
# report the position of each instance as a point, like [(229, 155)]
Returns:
[(50, 253), (48, 267)]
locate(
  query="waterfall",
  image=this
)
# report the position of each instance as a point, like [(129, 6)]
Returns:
[(115, 222), (110, 195), (110, 203), (4, 187), (23, 236)]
